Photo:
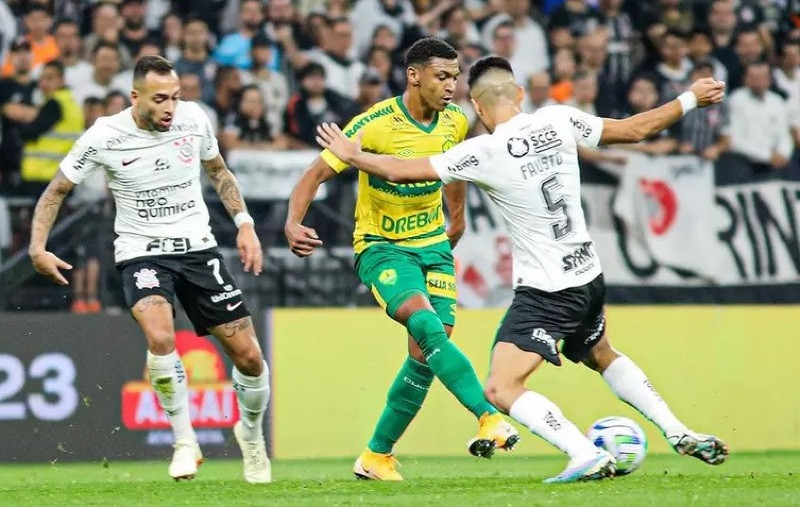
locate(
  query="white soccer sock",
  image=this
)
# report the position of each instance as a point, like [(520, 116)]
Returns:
[(544, 418), (253, 396), (169, 382), (630, 384)]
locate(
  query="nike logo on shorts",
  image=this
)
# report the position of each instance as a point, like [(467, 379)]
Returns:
[(231, 307)]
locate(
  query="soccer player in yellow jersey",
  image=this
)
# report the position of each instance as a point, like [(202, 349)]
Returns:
[(403, 252)]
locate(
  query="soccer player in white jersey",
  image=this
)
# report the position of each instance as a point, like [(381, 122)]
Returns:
[(528, 165), (152, 154)]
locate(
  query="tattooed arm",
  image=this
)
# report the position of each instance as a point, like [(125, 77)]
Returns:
[(44, 216), (224, 182)]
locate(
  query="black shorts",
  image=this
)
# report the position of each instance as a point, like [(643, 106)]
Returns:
[(538, 320), (203, 285)]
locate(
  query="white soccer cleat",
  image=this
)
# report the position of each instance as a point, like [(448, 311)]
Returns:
[(257, 468), (707, 448), (186, 459), (594, 468)]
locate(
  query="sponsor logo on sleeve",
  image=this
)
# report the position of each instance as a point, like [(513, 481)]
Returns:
[(80, 162), (582, 127), (464, 163)]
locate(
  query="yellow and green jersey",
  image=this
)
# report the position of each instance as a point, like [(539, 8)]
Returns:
[(405, 214)]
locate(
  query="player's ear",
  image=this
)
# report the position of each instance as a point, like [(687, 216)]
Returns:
[(412, 76), (476, 106), (134, 96), (520, 96)]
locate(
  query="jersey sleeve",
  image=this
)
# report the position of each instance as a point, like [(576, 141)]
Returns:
[(84, 157), (370, 141), (466, 161), (584, 127), (463, 125), (209, 149)]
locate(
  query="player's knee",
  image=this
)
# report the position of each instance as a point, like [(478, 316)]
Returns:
[(601, 356), (160, 343), (249, 361), (497, 393)]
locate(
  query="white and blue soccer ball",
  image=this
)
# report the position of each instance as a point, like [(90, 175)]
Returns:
[(623, 438)]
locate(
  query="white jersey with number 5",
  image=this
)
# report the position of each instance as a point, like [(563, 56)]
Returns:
[(154, 178), (529, 167)]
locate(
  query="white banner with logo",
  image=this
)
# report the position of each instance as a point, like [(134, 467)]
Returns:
[(270, 175), (664, 224)]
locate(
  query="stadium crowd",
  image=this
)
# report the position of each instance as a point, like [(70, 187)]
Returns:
[(267, 72)]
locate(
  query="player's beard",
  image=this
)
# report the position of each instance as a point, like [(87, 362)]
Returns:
[(151, 121)]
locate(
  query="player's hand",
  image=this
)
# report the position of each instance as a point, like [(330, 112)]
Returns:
[(48, 264), (250, 249), (708, 91), (302, 240), (330, 136)]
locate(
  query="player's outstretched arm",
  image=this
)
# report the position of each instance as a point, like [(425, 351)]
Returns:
[(638, 127), (386, 167), (44, 216), (303, 240), (224, 182)]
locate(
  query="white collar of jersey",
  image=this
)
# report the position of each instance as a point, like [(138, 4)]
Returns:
[(512, 123)]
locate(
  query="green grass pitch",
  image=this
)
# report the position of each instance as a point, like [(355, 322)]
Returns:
[(747, 479)]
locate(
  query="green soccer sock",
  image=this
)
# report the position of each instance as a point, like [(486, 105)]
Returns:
[(404, 400), (447, 362)]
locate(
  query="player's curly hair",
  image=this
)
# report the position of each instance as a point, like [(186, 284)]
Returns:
[(421, 52), (484, 65)]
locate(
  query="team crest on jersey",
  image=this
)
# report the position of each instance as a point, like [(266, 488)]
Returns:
[(388, 277), (518, 147), (146, 279), (185, 149)]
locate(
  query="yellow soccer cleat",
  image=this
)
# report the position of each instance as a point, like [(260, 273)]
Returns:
[(376, 466), (493, 432)]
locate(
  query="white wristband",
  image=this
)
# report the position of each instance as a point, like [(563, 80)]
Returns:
[(688, 101), (242, 218)]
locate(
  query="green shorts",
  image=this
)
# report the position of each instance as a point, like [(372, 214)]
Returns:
[(395, 273)]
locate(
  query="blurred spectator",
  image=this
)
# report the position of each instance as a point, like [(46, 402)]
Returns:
[(124, 80), (662, 16), (564, 69), (67, 37), (247, 128), (504, 42), (750, 13), (17, 89), (342, 73), (379, 59), (227, 85), (521, 38), (8, 29), (749, 49), (643, 96), (172, 34), (457, 28), (538, 95), (106, 25), (93, 109), (786, 78), (192, 91), (759, 121), (620, 40), (704, 130), (371, 90), (397, 15), (273, 85), (49, 131), (37, 23), (722, 25), (134, 32), (106, 62), (700, 51), (195, 58), (313, 104), (674, 68), (282, 18), (116, 102), (209, 11), (574, 18), (584, 92), (234, 49)]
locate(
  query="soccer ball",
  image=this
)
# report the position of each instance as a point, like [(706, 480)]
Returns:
[(623, 438)]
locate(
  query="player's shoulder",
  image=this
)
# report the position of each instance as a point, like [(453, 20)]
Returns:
[(456, 110), (375, 116)]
